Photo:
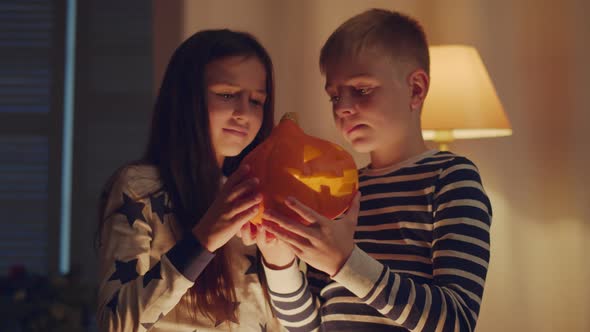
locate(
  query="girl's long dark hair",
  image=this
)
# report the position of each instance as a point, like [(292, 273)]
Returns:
[(180, 147)]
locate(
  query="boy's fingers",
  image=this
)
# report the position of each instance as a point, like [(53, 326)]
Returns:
[(291, 226), (269, 225), (294, 243), (304, 211), (353, 211)]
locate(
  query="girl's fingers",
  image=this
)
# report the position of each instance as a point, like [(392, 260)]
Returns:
[(242, 188), (244, 204), (269, 237), (237, 176), (261, 235), (242, 218), (246, 234)]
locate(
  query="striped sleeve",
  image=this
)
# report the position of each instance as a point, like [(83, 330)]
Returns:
[(292, 301), (136, 289), (460, 256)]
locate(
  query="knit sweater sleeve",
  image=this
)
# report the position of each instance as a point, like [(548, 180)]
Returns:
[(460, 256), (292, 300), (137, 289)]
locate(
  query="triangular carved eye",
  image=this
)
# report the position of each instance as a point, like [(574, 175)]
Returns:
[(337, 147), (310, 152)]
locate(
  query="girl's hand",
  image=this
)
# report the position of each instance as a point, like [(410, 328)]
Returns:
[(276, 253), (248, 234), (236, 204), (325, 244)]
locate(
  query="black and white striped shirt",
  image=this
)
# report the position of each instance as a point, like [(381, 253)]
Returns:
[(420, 261)]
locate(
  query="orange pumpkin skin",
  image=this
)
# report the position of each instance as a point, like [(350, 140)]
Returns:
[(318, 173)]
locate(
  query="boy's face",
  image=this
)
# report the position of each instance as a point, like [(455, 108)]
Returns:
[(370, 101)]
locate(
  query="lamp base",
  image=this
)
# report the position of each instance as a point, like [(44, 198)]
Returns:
[(443, 146), (443, 138)]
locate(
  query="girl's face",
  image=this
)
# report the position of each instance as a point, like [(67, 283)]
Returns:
[(236, 93)]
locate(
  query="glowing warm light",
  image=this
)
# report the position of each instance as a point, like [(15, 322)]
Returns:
[(337, 186), (310, 153), (462, 102), (318, 173)]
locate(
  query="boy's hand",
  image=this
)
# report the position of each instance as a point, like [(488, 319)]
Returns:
[(325, 244)]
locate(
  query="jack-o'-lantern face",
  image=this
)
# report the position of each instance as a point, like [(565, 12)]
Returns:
[(320, 174)]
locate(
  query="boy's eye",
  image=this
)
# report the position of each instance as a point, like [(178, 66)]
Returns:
[(364, 91)]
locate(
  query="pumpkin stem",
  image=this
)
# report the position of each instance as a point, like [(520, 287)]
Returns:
[(290, 116)]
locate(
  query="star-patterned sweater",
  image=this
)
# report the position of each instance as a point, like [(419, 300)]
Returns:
[(145, 270)]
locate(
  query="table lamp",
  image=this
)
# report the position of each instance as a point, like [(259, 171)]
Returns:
[(462, 102)]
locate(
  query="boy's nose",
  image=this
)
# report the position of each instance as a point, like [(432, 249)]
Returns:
[(344, 107)]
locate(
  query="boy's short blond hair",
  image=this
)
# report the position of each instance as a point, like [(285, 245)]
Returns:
[(385, 32)]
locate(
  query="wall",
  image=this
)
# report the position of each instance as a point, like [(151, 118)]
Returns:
[(536, 54)]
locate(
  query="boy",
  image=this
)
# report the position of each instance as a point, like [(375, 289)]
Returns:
[(415, 255)]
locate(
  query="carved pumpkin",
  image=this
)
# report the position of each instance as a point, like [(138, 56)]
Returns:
[(318, 173)]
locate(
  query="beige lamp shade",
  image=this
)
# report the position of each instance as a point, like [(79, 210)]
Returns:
[(462, 102)]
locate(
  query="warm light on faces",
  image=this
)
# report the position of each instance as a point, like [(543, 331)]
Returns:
[(370, 103), (236, 93)]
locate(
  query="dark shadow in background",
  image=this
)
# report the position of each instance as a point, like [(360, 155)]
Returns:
[(114, 94)]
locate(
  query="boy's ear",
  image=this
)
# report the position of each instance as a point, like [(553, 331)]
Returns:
[(418, 81)]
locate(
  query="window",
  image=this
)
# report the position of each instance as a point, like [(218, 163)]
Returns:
[(31, 116)]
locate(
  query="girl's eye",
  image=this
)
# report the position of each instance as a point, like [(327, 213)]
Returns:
[(226, 95), (256, 102)]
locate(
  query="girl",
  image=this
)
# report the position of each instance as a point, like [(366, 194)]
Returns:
[(169, 260)]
